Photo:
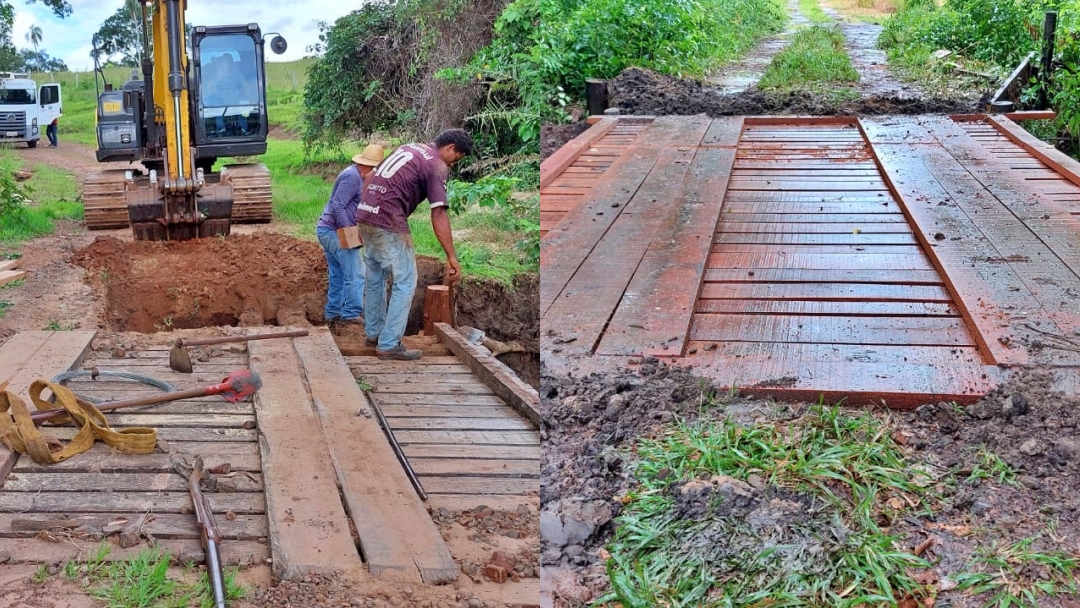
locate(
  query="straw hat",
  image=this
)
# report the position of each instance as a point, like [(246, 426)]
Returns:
[(371, 156)]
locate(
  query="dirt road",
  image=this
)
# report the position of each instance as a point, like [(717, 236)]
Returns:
[(744, 73)]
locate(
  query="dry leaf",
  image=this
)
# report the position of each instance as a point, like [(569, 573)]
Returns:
[(923, 577), (900, 437), (923, 546), (895, 503)]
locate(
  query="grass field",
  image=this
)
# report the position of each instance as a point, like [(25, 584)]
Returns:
[(488, 240), (815, 61), (52, 195)]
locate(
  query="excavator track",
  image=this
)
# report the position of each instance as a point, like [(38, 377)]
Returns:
[(105, 205), (103, 200), (252, 199)]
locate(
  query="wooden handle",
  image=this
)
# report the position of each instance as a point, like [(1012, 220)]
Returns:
[(283, 334)]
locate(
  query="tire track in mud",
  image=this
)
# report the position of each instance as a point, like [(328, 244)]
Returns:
[(744, 74)]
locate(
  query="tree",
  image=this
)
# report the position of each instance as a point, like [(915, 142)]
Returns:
[(34, 36), (40, 61), (121, 34), (9, 56)]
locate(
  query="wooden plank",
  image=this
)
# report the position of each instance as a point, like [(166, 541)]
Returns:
[(6, 265), (565, 248), (769, 184), (735, 248), (661, 295), (921, 331), (499, 378), (102, 459), (9, 276), (842, 238), (779, 275), (431, 399), (481, 485), (593, 294), (411, 368), (464, 502), (876, 227), (406, 366), (68, 481), (827, 261), (443, 467), (30, 356), (397, 536), (466, 381), (160, 525), (865, 292), (171, 434), (502, 423), (195, 420), (308, 532), (474, 437), (182, 551), (127, 502), (1061, 163), (779, 218), (433, 387), (488, 452), (827, 210), (441, 411), (834, 308)]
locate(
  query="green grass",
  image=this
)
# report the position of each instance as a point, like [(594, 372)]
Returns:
[(53, 195), (843, 472), (812, 10), (814, 60), (1017, 575), (989, 465), (143, 581)]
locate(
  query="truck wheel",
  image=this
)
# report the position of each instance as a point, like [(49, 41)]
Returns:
[(32, 143)]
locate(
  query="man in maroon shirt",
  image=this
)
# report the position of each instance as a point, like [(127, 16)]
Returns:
[(414, 172)]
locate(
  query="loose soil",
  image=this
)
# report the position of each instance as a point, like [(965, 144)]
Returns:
[(644, 92), (590, 425), (553, 137)]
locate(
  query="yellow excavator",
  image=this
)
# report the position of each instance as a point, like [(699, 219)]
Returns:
[(175, 122)]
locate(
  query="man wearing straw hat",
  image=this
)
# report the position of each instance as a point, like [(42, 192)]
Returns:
[(345, 293)]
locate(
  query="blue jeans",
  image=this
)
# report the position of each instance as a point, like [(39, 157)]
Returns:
[(50, 132), (389, 256), (345, 296)]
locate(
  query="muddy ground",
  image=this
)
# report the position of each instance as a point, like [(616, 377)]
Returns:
[(590, 425)]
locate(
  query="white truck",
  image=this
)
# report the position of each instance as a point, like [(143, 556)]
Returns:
[(26, 109)]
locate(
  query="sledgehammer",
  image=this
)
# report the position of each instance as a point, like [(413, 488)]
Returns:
[(180, 361)]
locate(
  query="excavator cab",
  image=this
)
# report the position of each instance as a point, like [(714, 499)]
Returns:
[(194, 104)]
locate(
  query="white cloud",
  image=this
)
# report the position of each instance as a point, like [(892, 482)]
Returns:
[(69, 38)]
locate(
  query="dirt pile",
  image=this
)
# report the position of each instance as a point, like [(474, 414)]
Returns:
[(583, 419), (643, 92), (157, 286), (552, 137)]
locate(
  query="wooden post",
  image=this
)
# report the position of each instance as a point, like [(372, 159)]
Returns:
[(436, 307)]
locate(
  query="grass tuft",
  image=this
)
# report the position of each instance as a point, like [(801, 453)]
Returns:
[(1017, 575), (815, 58), (839, 480), (812, 10)]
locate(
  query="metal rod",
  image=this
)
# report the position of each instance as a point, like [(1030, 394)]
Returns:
[(398, 452), (296, 333)]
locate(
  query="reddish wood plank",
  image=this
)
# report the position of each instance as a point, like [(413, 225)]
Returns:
[(986, 290), (561, 159), (830, 275), (778, 218), (566, 247), (923, 331), (829, 261), (837, 238), (593, 294), (798, 185), (833, 308), (870, 292), (661, 295), (878, 227)]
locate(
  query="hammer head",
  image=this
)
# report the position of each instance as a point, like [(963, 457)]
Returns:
[(242, 384)]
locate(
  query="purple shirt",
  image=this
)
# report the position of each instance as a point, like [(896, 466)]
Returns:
[(398, 186), (340, 210)]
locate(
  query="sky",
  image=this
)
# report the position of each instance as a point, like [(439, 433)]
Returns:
[(69, 38)]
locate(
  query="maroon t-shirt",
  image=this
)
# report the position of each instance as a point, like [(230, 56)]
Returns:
[(399, 184)]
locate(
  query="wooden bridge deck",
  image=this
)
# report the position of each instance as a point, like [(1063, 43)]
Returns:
[(900, 259)]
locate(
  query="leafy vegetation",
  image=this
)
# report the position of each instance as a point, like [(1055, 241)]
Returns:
[(544, 50), (29, 210), (1018, 575), (11, 58), (811, 9), (816, 57), (842, 473)]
